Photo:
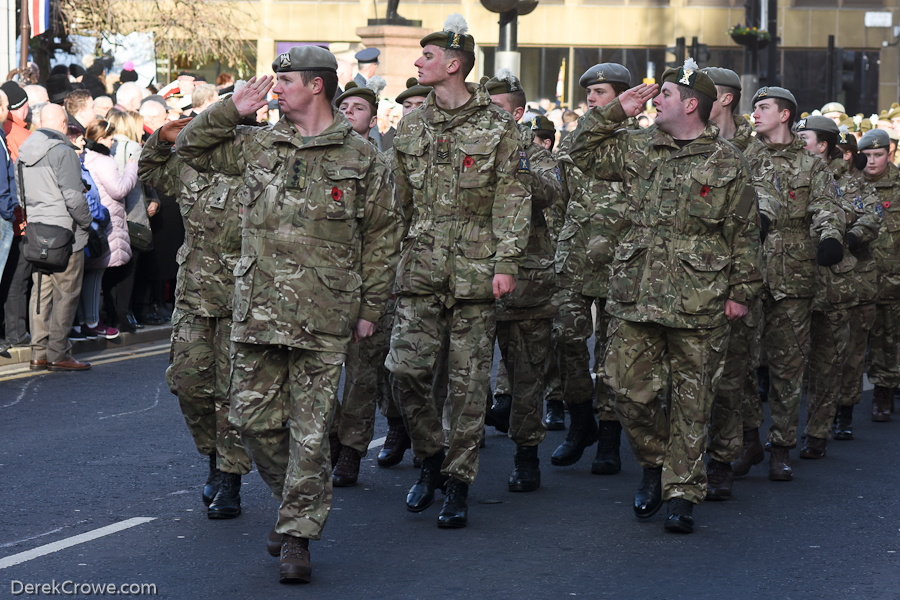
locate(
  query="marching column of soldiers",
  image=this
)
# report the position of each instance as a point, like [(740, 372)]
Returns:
[(711, 253)]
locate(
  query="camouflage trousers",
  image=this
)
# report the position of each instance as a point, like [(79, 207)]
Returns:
[(738, 386), (421, 325), (282, 403), (366, 386), (829, 343), (862, 318), (786, 341), (571, 379), (640, 359), (198, 373), (884, 346), (524, 348)]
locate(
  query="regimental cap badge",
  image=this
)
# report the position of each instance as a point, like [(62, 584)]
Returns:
[(284, 61), (801, 124), (601, 76), (535, 124), (875, 143), (454, 41), (843, 139), (763, 92)]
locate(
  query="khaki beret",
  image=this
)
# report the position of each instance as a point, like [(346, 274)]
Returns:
[(412, 90), (833, 107), (540, 122), (605, 73), (691, 76), (773, 92), (725, 77), (818, 123), (845, 138), (305, 58), (875, 139), (454, 36), (368, 92), (504, 82)]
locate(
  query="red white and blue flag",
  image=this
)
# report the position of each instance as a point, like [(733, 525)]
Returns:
[(39, 16)]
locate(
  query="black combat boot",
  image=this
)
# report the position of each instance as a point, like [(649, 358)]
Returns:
[(608, 461), (680, 519), (421, 495), (719, 480), (555, 420), (396, 443), (227, 503), (762, 374), (751, 453), (527, 475), (455, 512), (346, 472), (498, 415), (213, 481), (648, 497), (582, 433), (882, 403), (780, 464), (843, 423)]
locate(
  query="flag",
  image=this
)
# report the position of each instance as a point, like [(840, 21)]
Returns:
[(561, 83), (39, 16)]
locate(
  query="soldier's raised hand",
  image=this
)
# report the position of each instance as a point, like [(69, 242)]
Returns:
[(170, 130), (252, 96), (633, 100)]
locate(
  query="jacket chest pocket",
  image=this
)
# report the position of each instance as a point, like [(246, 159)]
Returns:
[(477, 166), (640, 183), (195, 185), (412, 153), (891, 216), (334, 203), (627, 270), (797, 199), (708, 195)]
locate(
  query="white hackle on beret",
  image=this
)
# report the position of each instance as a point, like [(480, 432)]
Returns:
[(505, 74), (691, 65), (873, 119), (844, 129), (376, 84), (456, 23)]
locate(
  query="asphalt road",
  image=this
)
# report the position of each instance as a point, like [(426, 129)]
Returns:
[(81, 452)]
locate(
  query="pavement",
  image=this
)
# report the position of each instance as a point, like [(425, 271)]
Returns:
[(101, 484)]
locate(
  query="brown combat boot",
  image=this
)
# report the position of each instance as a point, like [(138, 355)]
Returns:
[(346, 472), (780, 464), (719, 478), (396, 443), (814, 448), (294, 566), (882, 402), (751, 454)]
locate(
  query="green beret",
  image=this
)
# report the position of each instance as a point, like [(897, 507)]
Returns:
[(725, 77), (845, 138), (692, 77), (605, 73), (875, 139), (818, 123), (504, 82), (833, 107), (305, 58), (454, 36), (773, 92), (540, 122), (368, 92), (894, 113), (412, 90)]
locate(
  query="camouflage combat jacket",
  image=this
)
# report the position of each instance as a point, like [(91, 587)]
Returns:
[(320, 227), (212, 228), (535, 293), (468, 214), (594, 224), (762, 170), (852, 281), (693, 242), (886, 247), (809, 214)]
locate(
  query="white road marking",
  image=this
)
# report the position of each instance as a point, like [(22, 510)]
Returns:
[(21, 394), (377, 443), (131, 412), (34, 537), (16, 559)]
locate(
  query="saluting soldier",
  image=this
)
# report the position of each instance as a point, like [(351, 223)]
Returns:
[(320, 239), (688, 265), (525, 317), (468, 215)]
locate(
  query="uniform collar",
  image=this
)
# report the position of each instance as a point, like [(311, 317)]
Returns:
[(435, 115), (336, 133), (703, 143)]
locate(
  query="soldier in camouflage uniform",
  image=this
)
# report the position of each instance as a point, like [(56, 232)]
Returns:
[(593, 225), (457, 160), (739, 383), (867, 206), (320, 232), (810, 230), (525, 317), (884, 343), (837, 293), (688, 265), (200, 365)]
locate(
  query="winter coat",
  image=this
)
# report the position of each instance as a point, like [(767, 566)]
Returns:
[(52, 187), (113, 190), (8, 197)]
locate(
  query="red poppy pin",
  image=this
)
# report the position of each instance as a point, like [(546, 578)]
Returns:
[(887, 204), (704, 191), (791, 194), (468, 162), (336, 194)]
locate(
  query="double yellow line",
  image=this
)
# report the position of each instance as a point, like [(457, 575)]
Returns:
[(24, 371)]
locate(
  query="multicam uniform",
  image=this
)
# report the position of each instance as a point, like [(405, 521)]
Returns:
[(320, 242), (468, 220), (809, 214), (692, 245), (200, 367)]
